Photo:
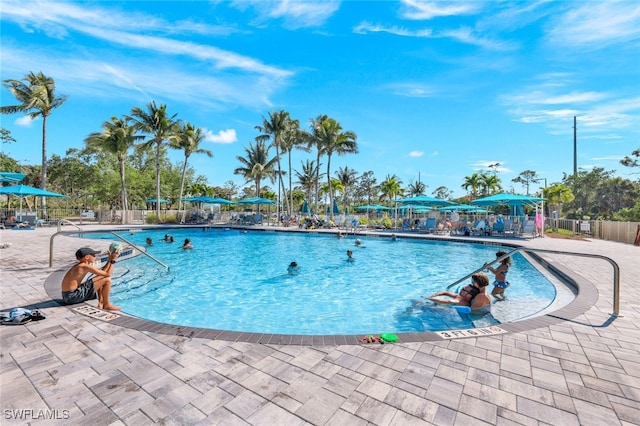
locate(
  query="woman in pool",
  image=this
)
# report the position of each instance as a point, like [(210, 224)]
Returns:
[(500, 284), (187, 244), (474, 295)]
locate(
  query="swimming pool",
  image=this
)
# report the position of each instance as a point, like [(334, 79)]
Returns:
[(238, 281)]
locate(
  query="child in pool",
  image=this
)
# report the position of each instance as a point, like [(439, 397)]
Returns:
[(500, 284)]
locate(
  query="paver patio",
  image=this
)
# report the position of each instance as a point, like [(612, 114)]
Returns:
[(74, 369)]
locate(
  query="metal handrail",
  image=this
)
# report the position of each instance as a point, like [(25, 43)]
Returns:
[(61, 221), (138, 248), (109, 232), (616, 270)]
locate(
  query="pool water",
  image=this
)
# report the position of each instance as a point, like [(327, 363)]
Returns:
[(238, 281)]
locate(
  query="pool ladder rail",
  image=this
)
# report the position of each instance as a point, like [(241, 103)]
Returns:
[(616, 270), (132, 245)]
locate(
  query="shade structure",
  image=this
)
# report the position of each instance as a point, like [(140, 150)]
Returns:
[(415, 208), (11, 177), (256, 200), (425, 200), (28, 191), (336, 209), (464, 208), (155, 200), (208, 200), (373, 207), (305, 207), (508, 200)]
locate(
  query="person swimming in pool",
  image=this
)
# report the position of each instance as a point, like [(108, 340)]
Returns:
[(500, 284), (474, 295), (293, 268), (187, 244), (350, 256)]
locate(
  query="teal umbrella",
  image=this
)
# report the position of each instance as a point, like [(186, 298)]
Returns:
[(11, 177), (425, 200), (155, 200), (507, 199), (305, 208), (23, 191)]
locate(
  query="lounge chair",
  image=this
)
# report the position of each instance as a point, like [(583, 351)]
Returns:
[(257, 219), (430, 225), (497, 228), (529, 227), (479, 227)]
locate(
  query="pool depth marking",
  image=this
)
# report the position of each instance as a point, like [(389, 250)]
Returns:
[(92, 312), (473, 332)]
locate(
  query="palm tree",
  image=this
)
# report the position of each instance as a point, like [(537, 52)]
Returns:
[(314, 141), (257, 165), (490, 184), (276, 128), (558, 195), (390, 188), (37, 98), (188, 139), (330, 188), (332, 140), (117, 137), (348, 177), (160, 127), (416, 188), (308, 177), (473, 182), (294, 138)]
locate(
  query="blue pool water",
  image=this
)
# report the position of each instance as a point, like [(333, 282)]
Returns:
[(238, 281)]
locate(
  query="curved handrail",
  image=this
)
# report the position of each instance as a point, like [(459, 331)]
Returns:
[(616, 270), (109, 232), (138, 248), (61, 221)]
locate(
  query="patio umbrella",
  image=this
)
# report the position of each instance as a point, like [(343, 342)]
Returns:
[(208, 200), (257, 200), (336, 209), (425, 200), (508, 200), (23, 191), (305, 208), (11, 177), (155, 200)]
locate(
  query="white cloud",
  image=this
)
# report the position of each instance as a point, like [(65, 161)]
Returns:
[(416, 154), (425, 10), (412, 90), (25, 121), (294, 13), (596, 24), (223, 136)]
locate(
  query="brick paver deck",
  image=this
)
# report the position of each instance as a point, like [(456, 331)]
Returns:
[(579, 367)]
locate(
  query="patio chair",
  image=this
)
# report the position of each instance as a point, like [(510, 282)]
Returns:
[(430, 225), (479, 227), (529, 227), (257, 219)]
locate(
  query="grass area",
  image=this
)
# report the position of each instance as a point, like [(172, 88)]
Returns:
[(564, 234)]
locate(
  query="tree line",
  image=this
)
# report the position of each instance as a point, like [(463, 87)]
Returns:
[(126, 161)]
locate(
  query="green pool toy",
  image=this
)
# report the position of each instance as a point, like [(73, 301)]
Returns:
[(388, 337)]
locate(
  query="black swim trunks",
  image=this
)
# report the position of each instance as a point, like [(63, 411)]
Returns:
[(84, 292)]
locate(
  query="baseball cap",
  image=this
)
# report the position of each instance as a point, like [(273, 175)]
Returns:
[(82, 252)]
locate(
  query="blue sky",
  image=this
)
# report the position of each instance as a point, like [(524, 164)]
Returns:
[(435, 91)]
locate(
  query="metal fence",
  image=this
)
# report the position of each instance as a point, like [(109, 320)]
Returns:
[(622, 232)]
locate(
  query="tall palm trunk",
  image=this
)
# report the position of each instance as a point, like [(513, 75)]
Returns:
[(290, 188), (158, 142), (330, 187), (43, 183), (125, 204)]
